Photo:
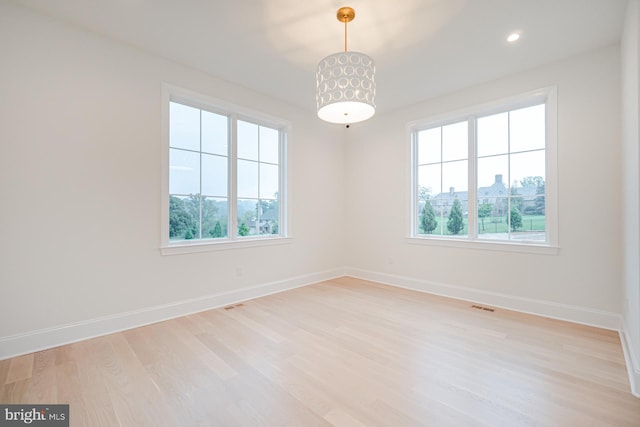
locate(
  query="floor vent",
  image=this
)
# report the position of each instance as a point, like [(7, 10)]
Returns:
[(479, 307)]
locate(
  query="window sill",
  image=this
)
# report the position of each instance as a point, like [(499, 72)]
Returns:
[(180, 248), (531, 248)]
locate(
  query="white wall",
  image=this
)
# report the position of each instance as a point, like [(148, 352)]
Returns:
[(80, 183), (586, 272), (631, 182)]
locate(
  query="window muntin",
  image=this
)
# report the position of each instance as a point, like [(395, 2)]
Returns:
[(225, 176), (501, 186)]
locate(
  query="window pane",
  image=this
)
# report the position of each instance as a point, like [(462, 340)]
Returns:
[(493, 134), (247, 140), (430, 217), (268, 181), (531, 229), (214, 218), (455, 179), (525, 224), (429, 181), (269, 222), (532, 226), (455, 143), (527, 128), (429, 146), (492, 220), (247, 179), (184, 217), (528, 167), (269, 145), (184, 127), (214, 133), (452, 217), (454, 220), (247, 216), (184, 172), (492, 177), (440, 218), (214, 175)]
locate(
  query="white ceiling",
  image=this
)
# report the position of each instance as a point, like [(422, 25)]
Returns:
[(422, 48)]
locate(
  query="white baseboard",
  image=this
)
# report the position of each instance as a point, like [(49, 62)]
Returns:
[(632, 361), (43, 339), (586, 316)]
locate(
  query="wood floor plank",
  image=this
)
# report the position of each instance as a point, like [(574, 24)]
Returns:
[(20, 368), (68, 387), (344, 352), (43, 381), (4, 371)]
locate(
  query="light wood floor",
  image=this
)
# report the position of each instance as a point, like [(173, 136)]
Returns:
[(345, 352)]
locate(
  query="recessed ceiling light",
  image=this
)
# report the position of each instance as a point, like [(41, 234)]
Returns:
[(513, 37)]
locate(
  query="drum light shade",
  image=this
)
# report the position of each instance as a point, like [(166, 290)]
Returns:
[(346, 88), (345, 82)]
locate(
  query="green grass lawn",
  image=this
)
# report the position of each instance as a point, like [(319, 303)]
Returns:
[(493, 225)]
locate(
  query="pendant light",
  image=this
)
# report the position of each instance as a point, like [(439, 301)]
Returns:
[(346, 87)]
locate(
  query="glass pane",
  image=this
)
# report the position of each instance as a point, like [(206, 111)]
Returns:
[(269, 178), (528, 169), (429, 181), (532, 223), (429, 146), (269, 145), (455, 181), (492, 177), (531, 228), (269, 218), (247, 217), (493, 132), (492, 218), (214, 175), (429, 217), (184, 172), (527, 128), (454, 217), (184, 217), (247, 140), (455, 141), (247, 179), (214, 133), (485, 213), (214, 218), (184, 127)]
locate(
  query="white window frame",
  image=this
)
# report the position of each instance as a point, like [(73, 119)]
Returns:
[(548, 96), (172, 93)]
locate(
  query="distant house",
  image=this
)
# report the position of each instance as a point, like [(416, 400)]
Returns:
[(267, 224), (495, 195)]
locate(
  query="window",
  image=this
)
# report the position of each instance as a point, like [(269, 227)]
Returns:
[(487, 175), (224, 175)]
